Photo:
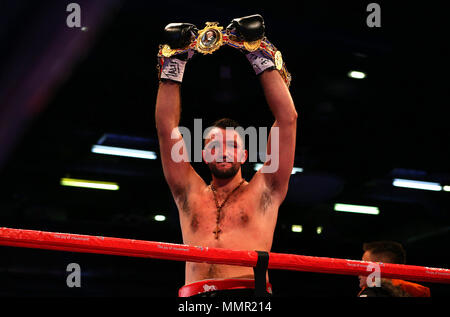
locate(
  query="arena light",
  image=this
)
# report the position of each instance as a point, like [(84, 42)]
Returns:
[(296, 170), (112, 150), (89, 184), (319, 230), (369, 210), (446, 188), (407, 183), (257, 166), (160, 218), (356, 74), (297, 228)]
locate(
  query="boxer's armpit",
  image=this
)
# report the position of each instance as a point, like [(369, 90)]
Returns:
[(181, 197)]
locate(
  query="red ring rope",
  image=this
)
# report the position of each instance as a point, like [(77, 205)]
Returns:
[(178, 252)]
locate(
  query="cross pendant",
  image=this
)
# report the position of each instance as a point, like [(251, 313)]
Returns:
[(216, 232)]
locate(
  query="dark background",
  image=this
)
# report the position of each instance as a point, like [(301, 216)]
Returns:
[(62, 88)]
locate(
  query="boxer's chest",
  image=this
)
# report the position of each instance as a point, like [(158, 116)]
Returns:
[(209, 215)]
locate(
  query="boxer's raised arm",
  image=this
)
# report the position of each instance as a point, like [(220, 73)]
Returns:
[(282, 154), (174, 158), (177, 168), (268, 64)]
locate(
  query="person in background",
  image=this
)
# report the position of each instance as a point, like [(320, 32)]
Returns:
[(388, 252)]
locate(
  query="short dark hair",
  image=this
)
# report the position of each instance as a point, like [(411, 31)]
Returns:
[(392, 250), (225, 123)]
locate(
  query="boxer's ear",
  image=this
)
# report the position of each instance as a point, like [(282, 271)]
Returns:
[(204, 157), (243, 157), (207, 156)]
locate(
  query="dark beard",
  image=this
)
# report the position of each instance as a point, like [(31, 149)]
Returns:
[(223, 174)]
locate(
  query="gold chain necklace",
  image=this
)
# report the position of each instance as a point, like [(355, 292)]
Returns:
[(219, 206)]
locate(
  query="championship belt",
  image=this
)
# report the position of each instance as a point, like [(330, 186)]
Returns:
[(208, 40), (213, 36)]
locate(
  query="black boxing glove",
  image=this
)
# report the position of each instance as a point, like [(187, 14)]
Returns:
[(179, 35), (248, 35), (176, 51), (250, 28)]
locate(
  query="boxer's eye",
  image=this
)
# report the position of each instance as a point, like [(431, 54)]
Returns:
[(213, 145)]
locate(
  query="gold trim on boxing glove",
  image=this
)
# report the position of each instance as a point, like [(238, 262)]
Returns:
[(166, 51), (210, 39), (252, 46)]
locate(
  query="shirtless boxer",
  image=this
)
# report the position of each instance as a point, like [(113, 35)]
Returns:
[(230, 212)]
